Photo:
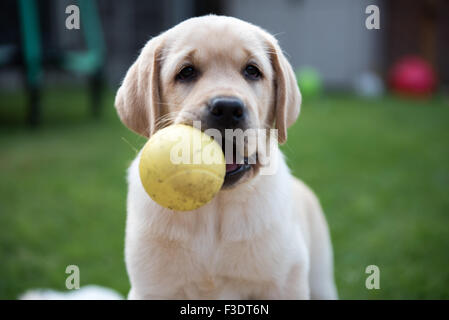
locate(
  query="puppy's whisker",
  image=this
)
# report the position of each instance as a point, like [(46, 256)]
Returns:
[(129, 144), (165, 120), (170, 104), (279, 34)]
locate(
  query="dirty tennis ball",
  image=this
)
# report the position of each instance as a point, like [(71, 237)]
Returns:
[(182, 168)]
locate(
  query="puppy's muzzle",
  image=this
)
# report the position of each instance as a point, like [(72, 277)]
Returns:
[(228, 113)]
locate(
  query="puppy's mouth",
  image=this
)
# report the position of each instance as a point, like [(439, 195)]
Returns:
[(237, 169)]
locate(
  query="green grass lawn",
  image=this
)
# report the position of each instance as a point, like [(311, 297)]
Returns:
[(380, 168)]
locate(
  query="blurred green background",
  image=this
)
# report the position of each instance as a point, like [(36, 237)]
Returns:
[(378, 162), (379, 166)]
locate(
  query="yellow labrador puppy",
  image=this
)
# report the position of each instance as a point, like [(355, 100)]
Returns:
[(262, 236)]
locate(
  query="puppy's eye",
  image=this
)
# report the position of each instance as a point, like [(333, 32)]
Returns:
[(252, 72), (186, 73)]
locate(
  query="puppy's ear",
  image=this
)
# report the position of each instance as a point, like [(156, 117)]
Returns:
[(137, 100), (288, 98)]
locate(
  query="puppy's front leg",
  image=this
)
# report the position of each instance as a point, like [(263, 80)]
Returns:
[(294, 287), (133, 295), (297, 285)]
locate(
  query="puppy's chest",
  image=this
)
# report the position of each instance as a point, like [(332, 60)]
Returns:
[(246, 252), (212, 261), (234, 270)]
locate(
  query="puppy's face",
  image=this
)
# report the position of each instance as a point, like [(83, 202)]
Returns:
[(220, 72)]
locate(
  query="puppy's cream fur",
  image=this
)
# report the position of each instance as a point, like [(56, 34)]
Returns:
[(264, 238)]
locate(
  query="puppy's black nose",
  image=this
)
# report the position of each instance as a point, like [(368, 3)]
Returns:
[(227, 112)]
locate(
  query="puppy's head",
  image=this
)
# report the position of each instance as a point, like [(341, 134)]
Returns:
[(228, 75)]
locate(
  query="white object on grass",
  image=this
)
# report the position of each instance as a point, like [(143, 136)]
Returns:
[(90, 292)]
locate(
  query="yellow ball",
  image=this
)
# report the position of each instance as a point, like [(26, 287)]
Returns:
[(182, 168)]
